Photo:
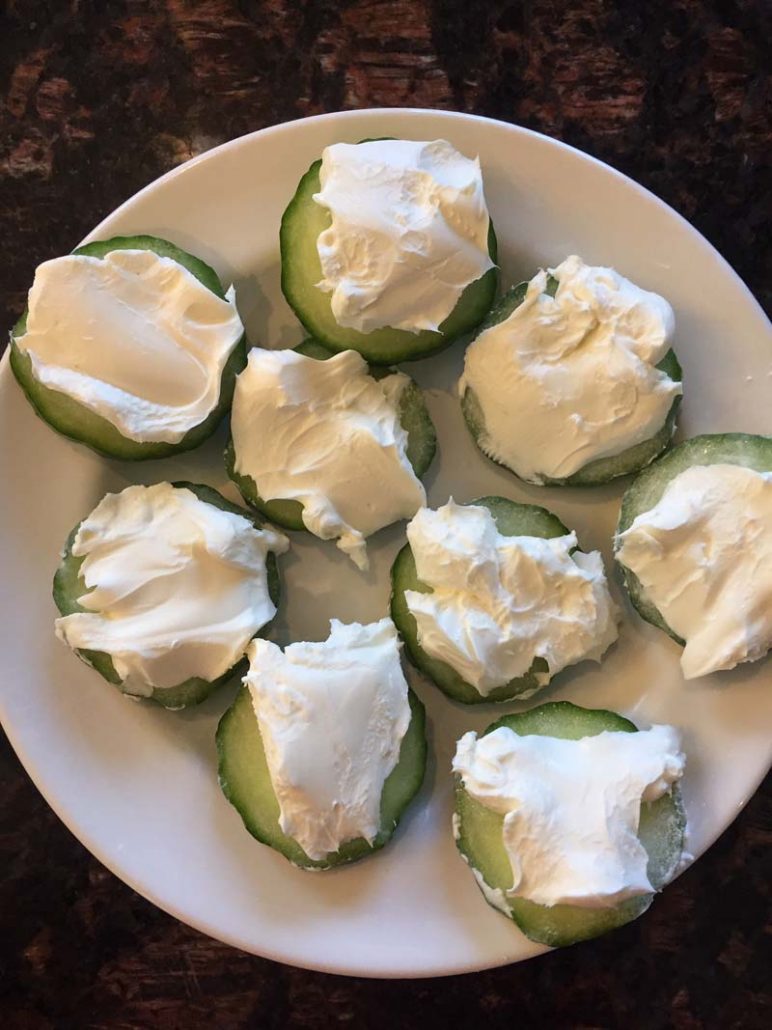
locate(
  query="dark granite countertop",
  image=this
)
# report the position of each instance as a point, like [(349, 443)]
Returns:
[(97, 98)]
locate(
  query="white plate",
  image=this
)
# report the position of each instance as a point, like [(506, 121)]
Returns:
[(138, 785)]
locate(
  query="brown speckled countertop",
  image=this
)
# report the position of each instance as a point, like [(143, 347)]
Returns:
[(97, 98)]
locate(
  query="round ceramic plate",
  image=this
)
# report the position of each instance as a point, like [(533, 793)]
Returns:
[(138, 785)]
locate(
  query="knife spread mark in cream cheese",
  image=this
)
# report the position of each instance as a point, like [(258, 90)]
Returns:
[(571, 808), (498, 602), (703, 555), (134, 337), (176, 587), (332, 717), (409, 232), (327, 434), (569, 379)]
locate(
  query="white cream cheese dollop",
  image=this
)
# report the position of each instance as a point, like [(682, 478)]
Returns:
[(332, 716), (567, 380), (133, 337), (409, 232), (327, 434), (176, 587), (498, 602), (571, 808), (703, 555)]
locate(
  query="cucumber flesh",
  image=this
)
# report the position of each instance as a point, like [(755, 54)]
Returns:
[(70, 418), (512, 519), (601, 470), (285, 513), (413, 416), (479, 836), (301, 270), (163, 248), (246, 782), (646, 490), (69, 586), (311, 348)]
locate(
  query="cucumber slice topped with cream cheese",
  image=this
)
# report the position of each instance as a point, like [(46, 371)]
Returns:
[(414, 257), (326, 783), (695, 539), (591, 397), (130, 346), (570, 870), (496, 613), (331, 451), (161, 588)]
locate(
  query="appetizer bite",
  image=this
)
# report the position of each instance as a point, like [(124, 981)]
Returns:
[(694, 541), (571, 379), (162, 587), (321, 442), (324, 747), (494, 598), (387, 248), (570, 818), (130, 346)]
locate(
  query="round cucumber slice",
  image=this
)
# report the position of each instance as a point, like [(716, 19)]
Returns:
[(602, 470), (69, 586), (246, 783), (413, 416), (479, 836), (301, 270), (753, 452), (70, 418), (512, 519)]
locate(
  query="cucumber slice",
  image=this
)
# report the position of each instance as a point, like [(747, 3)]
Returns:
[(69, 586), (301, 270), (601, 470), (512, 519), (479, 836), (72, 419), (246, 783), (753, 452), (413, 416)]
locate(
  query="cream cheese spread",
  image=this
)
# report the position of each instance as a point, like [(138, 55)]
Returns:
[(703, 555), (409, 232), (134, 337), (332, 717), (176, 587), (567, 380), (571, 808), (498, 602), (327, 434)]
